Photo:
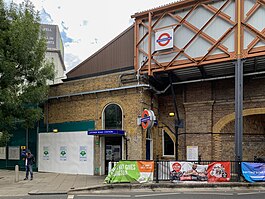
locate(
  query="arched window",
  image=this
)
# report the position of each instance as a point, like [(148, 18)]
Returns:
[(113, 117), (168, 145)]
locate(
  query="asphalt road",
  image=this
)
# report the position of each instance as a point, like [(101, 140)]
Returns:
[(221, 194)]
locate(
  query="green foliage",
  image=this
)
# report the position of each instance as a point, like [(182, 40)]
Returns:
[(4, 138), (23, 69)]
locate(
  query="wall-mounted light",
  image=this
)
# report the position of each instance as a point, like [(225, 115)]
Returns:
[(171, 114)]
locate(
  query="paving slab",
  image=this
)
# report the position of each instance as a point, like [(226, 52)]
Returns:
[(58, 183)]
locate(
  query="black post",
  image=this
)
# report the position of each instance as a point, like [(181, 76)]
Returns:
[(177, 120), (238, 115), (156, 164)]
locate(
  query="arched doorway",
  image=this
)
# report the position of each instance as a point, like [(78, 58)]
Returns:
[(113, 144)]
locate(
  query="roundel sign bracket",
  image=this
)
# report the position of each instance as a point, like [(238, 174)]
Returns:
[(147, 119)]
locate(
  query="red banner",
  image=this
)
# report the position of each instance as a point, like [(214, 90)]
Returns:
[(219, 172)]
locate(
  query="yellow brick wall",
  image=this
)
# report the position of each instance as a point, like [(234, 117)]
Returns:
[(90, 107)]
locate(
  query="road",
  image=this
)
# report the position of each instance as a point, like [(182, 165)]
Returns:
[(208, 194)]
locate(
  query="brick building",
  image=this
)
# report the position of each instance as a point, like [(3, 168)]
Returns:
[(194, 77)]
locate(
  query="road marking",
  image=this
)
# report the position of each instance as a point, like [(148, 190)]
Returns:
[(114, 196), (157, 194), (250, 193), (70, 196), (207, 193)]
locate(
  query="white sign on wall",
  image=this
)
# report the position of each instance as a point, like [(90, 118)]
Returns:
[(192, 153), (46, 153), (83, 153), (63, 153), (164, 39), (13, 153), (2, 153)]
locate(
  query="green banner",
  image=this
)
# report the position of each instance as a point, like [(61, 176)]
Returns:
[(131, 171)]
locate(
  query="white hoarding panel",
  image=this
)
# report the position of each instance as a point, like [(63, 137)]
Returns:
[(164, 39), (66, 152)]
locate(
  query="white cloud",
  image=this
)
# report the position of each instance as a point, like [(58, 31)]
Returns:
[(91, 24)]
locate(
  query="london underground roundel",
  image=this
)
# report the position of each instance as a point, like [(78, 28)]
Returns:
[(164, 39), (147, 119)]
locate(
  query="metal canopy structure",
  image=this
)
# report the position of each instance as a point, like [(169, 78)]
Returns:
[(193, 40), (252, 67), (207, 37)]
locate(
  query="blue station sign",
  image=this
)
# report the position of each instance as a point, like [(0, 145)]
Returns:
[(106, 132)]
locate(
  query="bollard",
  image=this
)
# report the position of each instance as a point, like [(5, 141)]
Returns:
[(109, 167), (16, 173)]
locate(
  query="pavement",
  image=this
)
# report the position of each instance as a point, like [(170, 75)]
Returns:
[(58, 183)]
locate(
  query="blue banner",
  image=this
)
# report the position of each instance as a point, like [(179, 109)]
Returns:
[(253, 172)]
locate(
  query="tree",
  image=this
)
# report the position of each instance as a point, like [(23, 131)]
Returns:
[(23, 69)]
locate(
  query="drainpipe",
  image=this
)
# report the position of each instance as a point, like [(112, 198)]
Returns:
[(177, 120)]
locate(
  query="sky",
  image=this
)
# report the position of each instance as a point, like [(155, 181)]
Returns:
[(88, 25)]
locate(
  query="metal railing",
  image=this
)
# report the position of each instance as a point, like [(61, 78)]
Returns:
[(163, 173), (162, 170)]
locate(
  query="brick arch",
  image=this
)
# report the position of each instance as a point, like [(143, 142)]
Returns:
[(228, 118), (103, 113)]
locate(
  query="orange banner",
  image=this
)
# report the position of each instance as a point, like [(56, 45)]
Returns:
[(146, 166)]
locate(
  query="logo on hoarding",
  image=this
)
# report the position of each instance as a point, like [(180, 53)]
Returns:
[(164, 39)]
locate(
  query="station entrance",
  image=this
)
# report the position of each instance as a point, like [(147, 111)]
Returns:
[(113, 150)]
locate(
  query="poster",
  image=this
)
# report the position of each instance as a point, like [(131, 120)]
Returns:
[(188, 171), (83, 153), (131, 171), (46, 153), (2, 153), (253, 172), (192, 153), (63, 153), (219, 172), (13, 152)]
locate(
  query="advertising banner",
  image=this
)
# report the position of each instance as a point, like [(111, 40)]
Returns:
[(131, 171), (219, 172), (188, 171), (253, 172)]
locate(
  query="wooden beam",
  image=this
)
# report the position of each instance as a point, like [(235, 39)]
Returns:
[(203, 35), (255, 41), (149, 42), (217, 43), (198, 33), (221, 14)]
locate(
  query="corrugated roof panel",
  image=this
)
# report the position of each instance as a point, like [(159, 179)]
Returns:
[(117, 54)]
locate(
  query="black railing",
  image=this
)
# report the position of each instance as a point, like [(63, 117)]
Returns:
[(163, 173)]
